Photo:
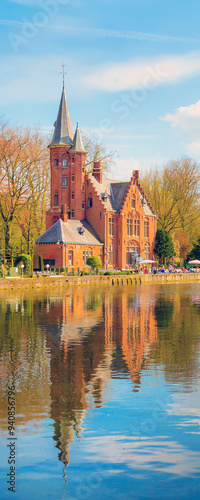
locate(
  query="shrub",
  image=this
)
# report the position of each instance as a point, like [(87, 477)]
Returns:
[(41, 263), (26, 260)]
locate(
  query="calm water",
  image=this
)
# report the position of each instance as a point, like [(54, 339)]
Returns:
[(107, 393)]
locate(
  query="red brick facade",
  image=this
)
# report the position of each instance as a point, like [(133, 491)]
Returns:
[(119, 213)]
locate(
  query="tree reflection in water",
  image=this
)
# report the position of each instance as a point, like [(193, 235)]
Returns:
[(66, 348)]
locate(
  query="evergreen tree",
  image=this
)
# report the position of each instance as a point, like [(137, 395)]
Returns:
[(195, 252), (164, 247)]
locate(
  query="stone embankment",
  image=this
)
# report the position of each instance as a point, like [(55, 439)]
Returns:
[(115, 280)]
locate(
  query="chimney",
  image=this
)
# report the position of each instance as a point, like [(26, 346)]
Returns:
[(97, 172), (136, 174), (64, 215)]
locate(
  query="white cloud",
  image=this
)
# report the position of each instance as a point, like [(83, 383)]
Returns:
[(124, 168), (144, 74), (186, 120), (158, 454), (194, 148)]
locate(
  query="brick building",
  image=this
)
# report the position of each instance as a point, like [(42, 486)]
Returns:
[(90, 215)]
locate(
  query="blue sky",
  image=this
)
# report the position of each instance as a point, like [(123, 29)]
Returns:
[(133, 73)]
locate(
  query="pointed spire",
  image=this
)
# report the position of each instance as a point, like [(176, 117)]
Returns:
[(77, 142), (63, 133)]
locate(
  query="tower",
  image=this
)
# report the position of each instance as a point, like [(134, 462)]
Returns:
[(67, 162)]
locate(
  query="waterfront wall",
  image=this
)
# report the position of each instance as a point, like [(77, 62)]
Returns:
[(116, 280)]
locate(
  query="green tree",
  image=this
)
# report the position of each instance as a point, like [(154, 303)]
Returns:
[(164, 247), (195, 252), (94, 262)]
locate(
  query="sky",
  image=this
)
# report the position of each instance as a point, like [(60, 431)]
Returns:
[(133, 74)]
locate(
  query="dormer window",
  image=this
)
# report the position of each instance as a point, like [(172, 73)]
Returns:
[(64, 162), (144, 202), (56, 162), (104, 196)]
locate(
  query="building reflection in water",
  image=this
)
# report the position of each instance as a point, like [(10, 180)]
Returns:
[(65, 349), (100, 336)]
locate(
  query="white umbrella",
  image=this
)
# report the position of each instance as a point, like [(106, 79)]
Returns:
[(195, 262), (148, 261)]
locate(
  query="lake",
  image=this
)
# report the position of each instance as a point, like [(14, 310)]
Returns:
[(105, 387)]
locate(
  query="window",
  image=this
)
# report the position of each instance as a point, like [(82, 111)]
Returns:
[(64, 181), (146, 251), (55, 200), (72, 195), (70, 258), (86, 254), (72, 177), (146, 228), (89, 202), (83, 187), (136, 227), (111, 226), (83, 205), (72, 214), (64, 162), (133, 202), (73, 159), (129, 227), (56, 162), (130, 252), (110, 254)]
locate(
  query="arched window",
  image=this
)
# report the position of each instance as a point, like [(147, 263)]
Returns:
[(130, 252)]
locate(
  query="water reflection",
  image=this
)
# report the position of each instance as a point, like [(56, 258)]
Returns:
[(66, 350)]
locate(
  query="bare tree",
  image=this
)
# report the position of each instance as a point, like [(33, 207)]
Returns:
[(97, 152), (174, 193), (24, 179)]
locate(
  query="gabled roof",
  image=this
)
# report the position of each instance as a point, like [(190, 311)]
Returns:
[(103, 188), (72, 231), (116, 192), (63, 133), (77, 142)]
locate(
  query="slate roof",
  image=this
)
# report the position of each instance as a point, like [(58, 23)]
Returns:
[(118, 190), (77, 142), (146, 207), (103, 188), (63, 132), (68, 232)]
